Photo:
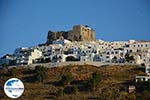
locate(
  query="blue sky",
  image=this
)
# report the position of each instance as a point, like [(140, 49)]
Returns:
[(26, 22)]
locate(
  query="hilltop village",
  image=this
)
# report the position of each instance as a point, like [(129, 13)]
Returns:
[(73, 64), (79, 44)]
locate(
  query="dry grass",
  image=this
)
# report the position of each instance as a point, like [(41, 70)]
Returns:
[(112, 76)]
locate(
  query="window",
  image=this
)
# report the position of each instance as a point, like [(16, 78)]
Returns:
[(130, 50), (138, 50), (82, 29), (145, 45), (107, 56)]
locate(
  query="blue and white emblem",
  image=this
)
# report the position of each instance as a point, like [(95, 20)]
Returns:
[(14, 88)]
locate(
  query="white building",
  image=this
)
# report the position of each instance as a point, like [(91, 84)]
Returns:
[(7, 59), (27, 55), (61, 41), (140, 50), (113, 54), (100, 51), (144, 77)]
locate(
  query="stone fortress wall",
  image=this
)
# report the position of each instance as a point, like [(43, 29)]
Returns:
[(78, 33)]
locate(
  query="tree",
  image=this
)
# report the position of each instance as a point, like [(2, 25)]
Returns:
[(132, 96), (129, 58), (71, 58), (66, 79), (75, 89), (143, 85), (60, 92), (94, 81), (47, 60), (132, 58), (143, 64), (4, 66), (40, 73), (13, 72), (114, 59)]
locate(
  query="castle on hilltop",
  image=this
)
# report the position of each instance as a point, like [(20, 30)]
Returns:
[(78, 33)]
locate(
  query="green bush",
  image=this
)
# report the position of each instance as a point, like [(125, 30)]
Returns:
[(71, 58), (40, 73), (66, 79), (75, 89), (4, 66), (143, 64), (94, 81), (13, 72), (129, 58), (111, 93), (60, 92), (142, 86), (4, 69)]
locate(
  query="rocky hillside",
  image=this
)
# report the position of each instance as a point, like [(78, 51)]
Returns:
[(112, 83)]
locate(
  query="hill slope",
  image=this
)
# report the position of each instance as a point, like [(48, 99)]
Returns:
[(113, 85)]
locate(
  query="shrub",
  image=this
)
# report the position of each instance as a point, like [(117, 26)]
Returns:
[(111, 93), (143, 64), (68, 90), (129, 58), (40, 68), (40, 73), (94, 81), (75, 89), (71, 58), (66, 79), (60, 92), (142, 86), (4, 66), (114, 59), (13, 72)]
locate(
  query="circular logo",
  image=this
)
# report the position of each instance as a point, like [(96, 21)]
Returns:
[(14, 88)]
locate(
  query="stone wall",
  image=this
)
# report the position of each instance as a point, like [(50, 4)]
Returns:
[(78, 33)]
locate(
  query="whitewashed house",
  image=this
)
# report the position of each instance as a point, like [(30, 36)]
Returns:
[(140, 50), (113, 54), (144, 77), (27, 55), (7, 59), (61, 41)]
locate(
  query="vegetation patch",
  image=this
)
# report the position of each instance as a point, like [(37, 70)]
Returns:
[(77, 82)]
